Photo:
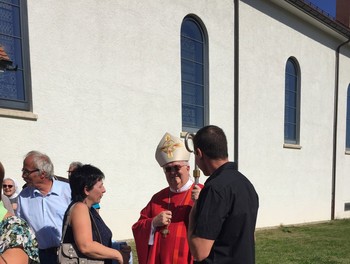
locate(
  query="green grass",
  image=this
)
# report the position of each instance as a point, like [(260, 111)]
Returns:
[(325, 243)]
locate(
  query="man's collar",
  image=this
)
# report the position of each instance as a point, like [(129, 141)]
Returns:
[(54, 189), (184, 188)]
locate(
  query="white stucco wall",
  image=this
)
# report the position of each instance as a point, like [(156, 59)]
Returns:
[(294, 184), (106, 86), (343, 157)]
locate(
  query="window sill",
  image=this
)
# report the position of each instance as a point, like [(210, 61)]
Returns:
[(9, 113), (347, 152), (291, 146)]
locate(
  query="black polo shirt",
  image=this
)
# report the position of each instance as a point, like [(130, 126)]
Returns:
[(226, 212)]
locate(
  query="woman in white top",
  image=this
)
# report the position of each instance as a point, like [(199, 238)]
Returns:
[(10, 189)]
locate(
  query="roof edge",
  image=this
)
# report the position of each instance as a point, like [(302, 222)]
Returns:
[(321, 16)]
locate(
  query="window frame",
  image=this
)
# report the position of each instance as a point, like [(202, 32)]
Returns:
[(293, 110), (23, 53), (205, 74), (347, 124)]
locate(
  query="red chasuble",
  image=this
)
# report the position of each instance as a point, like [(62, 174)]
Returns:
[(172, 248)]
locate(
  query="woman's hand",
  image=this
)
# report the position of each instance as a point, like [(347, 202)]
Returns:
[(125, 251)]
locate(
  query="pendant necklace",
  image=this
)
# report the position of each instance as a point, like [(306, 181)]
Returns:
[(165, 231)]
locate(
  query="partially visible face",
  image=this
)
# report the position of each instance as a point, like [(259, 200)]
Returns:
[(177, 174), (96, 193), (8, 187), (70, 170)]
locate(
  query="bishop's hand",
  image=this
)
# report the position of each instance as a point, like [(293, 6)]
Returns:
[(162, 219)]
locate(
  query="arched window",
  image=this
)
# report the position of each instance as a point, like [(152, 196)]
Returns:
[(347, 146), (292, 102), (194, 74)]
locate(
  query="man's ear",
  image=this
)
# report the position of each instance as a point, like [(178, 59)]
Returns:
[(198, 152)]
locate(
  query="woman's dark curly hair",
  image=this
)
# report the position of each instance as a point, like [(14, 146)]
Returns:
[(84, 177)]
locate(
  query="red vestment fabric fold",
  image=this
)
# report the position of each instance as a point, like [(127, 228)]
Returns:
[(173, 248)]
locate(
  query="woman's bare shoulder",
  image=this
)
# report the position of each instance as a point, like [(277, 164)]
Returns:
[(79, 208)]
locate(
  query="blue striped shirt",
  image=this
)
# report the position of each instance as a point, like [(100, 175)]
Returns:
[(44, 213)]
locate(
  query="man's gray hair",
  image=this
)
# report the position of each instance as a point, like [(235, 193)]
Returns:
[(42, 162), (76, 164)]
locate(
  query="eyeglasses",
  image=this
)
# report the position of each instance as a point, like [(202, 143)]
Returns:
[(28, 172), (7, 186), (173, 169)]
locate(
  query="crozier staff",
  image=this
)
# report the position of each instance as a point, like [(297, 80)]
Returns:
[(161, 231)]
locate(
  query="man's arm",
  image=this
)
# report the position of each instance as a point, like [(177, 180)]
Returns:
[(200, 247)]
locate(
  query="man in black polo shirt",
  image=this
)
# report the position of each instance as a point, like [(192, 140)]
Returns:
[(222, 221)]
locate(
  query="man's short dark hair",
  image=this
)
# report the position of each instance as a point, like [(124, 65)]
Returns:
[(211, 140)]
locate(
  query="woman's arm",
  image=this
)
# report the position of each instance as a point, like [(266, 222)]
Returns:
[(19, 243), (81, 226), (14, 256)]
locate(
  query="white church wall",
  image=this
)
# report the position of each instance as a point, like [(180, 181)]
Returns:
[(106, 82), (294, 184), (106, 86), (342, 188)]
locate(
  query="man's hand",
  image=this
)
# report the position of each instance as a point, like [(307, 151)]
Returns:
[(195, 193), (164, 218)]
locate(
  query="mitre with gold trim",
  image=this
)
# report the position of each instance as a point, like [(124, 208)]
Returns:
[(170, 149)]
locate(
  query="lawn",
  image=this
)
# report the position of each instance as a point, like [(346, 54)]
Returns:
[(324, 243)]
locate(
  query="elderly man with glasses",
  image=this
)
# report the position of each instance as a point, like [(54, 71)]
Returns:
[(161, 231), (43, 203)]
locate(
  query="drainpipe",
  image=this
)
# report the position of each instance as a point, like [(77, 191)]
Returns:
[(236, 82), (335, 126)]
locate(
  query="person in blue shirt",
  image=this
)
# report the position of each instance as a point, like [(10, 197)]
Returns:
[(43, 203)]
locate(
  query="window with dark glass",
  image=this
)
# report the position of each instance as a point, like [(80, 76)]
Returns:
[(194, 75), (292, 102), (348, 120), (15, 86)]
